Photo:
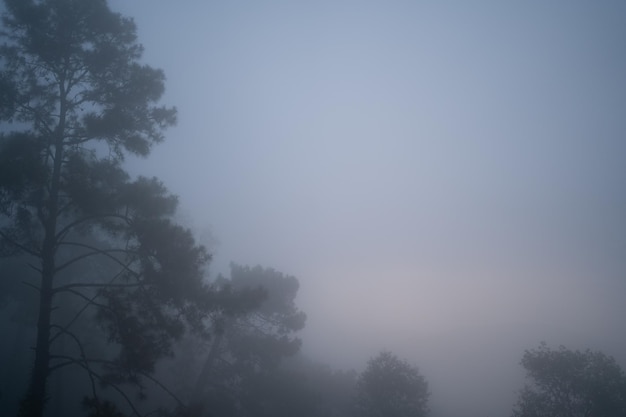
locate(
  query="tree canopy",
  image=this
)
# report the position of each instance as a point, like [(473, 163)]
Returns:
[(249, 345), (571, 383), (391, 387)]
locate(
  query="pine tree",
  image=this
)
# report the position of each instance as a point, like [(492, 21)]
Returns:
[(75, 99)]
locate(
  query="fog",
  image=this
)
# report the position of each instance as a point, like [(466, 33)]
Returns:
[(446, 181)]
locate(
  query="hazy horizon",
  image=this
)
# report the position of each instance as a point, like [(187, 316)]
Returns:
[(446, 181)]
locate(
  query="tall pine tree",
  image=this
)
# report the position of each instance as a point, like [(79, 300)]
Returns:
[(75, 99)]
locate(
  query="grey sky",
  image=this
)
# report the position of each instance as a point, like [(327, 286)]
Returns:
[(447, 181)]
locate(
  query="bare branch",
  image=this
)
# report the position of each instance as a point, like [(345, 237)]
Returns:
[(82, 354), (89, 301), (31, 285), (75, 223), (158, 383), (84, 256), (87, 304), (100, 378), (163, 387), (60, 365), (96, 251), (18, 245), (94, 285)]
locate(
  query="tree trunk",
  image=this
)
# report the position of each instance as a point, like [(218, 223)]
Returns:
[(205, 373), (34, 402)]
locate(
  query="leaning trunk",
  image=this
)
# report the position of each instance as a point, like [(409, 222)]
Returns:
[(205, 373)]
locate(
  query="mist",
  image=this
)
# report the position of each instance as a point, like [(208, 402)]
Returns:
[(446, 181)]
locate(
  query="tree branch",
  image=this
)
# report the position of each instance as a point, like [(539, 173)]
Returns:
[(31, 285), (87, 304), (75, 223), (94, 285), (87, 255), (101, 379), (95, 251), (18, 245), (82, 354), (89, 301), (163, 387), (70, 360), (30, 265)]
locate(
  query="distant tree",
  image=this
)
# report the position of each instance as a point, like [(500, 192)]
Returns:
[(390, 387), (249, 344), (300, 387), (567, 383), (75, 99)]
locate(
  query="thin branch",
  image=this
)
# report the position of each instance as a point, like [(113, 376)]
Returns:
[(163, 387), (60, 212), (25, 108), (30, 265), (60, 365), (144, 374), (90, 301), (18, 245), (75, 223), (87, 304), (101, 379), (63, 330), (95, 251), (76, 79), (82, 354), (31, 285), (72, 360), (87, 255), (94, 285)]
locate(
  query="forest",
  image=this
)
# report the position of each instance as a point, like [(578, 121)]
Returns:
[(108, 307)]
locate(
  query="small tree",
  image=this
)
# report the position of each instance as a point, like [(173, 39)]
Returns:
[(567, 383), (390, 387)]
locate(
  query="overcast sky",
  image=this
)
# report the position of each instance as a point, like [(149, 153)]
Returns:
[(447, 180)]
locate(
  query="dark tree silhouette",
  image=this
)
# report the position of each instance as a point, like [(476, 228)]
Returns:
[(75, 99), (390, 387), (569, 383), (300, 387), (250, 344)]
